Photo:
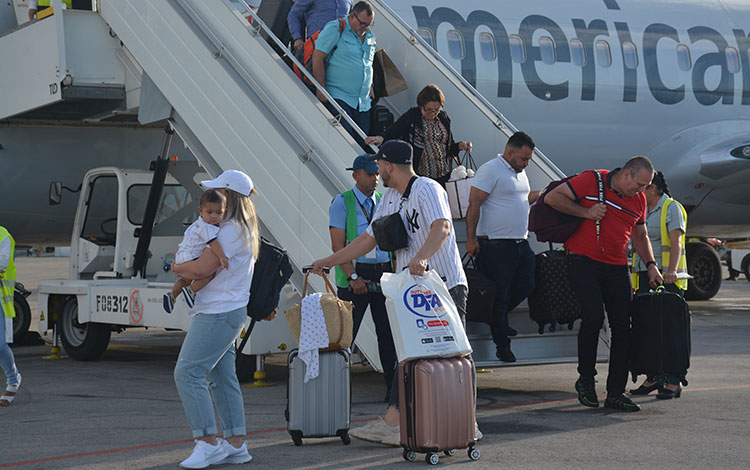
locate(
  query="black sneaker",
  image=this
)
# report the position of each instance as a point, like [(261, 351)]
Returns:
[(587, 392), (505, 354), (622, 403), (511, 331)]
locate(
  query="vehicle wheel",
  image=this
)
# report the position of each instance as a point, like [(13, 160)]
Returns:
[(450, 453), (409, 455), (346, 439), (473, 453), (245, 365), (704, 265), (746, 266), (22, 320), (82, 341)]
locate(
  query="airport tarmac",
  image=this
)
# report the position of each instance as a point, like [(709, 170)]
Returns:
[(123, 412)]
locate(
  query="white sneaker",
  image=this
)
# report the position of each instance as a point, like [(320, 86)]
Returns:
[(235, 454), (204, 454), (378, 431), (477, 432)]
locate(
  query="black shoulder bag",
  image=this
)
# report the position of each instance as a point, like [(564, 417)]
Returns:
[(389, 231)]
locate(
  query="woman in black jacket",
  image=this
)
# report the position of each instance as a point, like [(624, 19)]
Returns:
[(428, 129)]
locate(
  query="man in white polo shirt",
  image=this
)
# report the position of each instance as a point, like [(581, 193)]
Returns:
[(497, 230)]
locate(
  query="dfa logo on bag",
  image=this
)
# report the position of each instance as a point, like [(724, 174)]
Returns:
[(426, 304)]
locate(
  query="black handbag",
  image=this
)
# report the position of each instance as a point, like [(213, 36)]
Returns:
[(389, 231), (480, 304)]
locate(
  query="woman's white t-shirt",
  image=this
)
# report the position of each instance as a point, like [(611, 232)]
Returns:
[(230, 288)]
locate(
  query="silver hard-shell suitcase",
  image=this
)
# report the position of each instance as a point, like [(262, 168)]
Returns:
[(322, 406)]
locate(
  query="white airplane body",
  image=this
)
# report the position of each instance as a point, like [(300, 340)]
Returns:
[(595, 82)]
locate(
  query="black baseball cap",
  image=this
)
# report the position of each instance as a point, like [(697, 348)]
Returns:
[(394, 151)]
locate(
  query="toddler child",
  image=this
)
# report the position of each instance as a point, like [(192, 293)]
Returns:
[(200, 233)]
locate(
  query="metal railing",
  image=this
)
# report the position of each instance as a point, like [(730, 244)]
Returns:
[(258, 24), (414, 37)]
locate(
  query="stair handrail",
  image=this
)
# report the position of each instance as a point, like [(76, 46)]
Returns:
[(308, 152), (259, 24), (415, 37)]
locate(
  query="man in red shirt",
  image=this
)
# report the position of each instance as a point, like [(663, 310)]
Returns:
[(598, 267)]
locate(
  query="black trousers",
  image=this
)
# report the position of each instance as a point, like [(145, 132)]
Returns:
[(376, 301), (601, 286), (511, 266)]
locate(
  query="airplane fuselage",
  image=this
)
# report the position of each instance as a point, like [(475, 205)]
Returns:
[(598, 81)]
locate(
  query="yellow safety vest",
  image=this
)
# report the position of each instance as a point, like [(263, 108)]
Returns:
[(8, 278), (666, 246), (46, 3)]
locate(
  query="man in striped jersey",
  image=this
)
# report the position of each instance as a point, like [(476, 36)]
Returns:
[(423, 206), (598, 267)]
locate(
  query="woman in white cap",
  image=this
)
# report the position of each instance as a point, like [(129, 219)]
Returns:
[(207, 357)]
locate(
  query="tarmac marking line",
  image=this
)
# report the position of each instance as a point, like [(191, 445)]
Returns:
[(272, 430)]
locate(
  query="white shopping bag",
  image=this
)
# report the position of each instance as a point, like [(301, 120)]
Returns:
[(424, 320), (458, 196)]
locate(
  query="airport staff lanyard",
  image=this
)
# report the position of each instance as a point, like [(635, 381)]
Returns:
[(364, 211)]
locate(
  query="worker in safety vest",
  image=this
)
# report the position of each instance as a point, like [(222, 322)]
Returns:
[(359, 281), (7, 285), (39, 5), (666, 224)]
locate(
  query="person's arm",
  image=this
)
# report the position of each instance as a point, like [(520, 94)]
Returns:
[(296, 20), (338, 242), (199, 268), (439, 231), (476, 199), (533, 196), (4, 255), (219, 252), (360, 246), (675, 251), (562, 199), (642, 246), (319, 72)]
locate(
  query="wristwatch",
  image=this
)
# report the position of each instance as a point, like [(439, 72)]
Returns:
[(353, 277)]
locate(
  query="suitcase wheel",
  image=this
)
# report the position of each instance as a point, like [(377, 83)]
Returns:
[(345, 438), (409, 455), (473, 453), (296, 437), (552, 328), (432, 458), (450, 453)]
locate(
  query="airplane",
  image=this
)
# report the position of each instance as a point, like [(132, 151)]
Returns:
[(593, 81)]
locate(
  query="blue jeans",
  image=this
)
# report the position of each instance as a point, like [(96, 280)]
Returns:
[(205, 368), (511, 265), (7, 362)]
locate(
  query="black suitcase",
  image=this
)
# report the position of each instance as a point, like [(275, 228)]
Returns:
[(660, 338), (480, 303), (552, 300)]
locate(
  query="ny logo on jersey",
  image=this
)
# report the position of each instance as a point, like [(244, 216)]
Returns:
[(411, 219)]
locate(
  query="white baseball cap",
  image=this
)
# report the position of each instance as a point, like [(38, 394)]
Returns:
[(231, 179)]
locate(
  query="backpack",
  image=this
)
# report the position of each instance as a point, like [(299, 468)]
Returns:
[(272, 271), (551, 225), (308, 50)]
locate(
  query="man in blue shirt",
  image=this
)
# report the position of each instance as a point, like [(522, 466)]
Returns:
[(347, 74), (350, 214), (309, 16)]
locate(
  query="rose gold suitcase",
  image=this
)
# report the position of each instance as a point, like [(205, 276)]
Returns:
[(436, 399)]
